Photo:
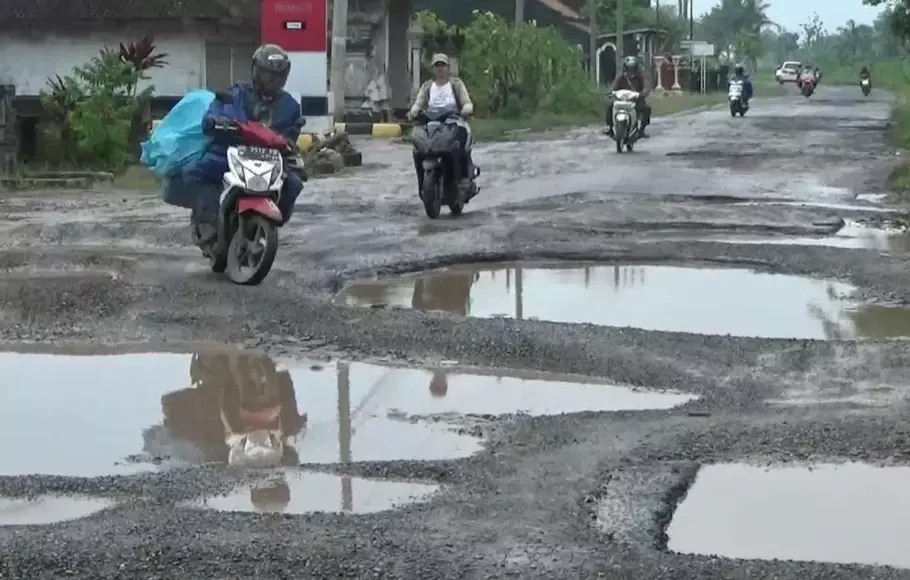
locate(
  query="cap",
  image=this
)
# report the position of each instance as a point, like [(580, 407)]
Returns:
[(440, 58)]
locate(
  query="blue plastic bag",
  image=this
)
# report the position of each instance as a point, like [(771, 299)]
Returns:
[(179, 138)]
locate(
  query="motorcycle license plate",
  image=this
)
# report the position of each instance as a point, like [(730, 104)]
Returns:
[(257, 153)]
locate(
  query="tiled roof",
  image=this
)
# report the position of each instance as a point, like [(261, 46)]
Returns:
[(49, 12)]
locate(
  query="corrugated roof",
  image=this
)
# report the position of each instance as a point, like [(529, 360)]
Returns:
[(51, 12)]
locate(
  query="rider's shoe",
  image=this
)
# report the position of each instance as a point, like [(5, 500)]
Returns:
[(608, 131)]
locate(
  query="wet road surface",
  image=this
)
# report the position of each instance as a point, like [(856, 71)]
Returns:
[(572, 480)]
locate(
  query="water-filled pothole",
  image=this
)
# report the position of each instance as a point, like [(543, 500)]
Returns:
[(48, 509), (850, 513), (719, 301), (852, 236), (135, 412), (296, 492)]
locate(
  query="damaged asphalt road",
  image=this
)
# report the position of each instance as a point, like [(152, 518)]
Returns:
[(585, 495)]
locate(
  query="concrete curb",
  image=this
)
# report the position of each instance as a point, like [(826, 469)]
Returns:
[(376, 130)]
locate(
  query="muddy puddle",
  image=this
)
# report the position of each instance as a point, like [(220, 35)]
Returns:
[(122, 414), (296, 492), (48, 509), (853, 235), (697, 300), (849, 513)]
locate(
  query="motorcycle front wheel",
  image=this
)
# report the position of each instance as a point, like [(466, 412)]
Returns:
[(252, 250), (433, 189)]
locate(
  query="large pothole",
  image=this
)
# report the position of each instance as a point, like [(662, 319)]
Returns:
[(127, 413), (847, 514), (736, 302), (48, 509), (298, 492)]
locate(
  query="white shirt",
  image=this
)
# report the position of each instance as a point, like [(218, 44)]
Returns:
[(442, 97)]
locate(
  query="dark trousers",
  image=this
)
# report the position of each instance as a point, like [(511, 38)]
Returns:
[(641, 107)]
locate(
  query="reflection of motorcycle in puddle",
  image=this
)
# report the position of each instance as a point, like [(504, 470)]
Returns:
[(449, 292), (439, 384), (241, 411)]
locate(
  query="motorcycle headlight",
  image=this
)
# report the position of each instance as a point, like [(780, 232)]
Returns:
[(276, 173), (237, 167)]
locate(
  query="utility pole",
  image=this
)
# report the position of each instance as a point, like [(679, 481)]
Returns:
[(519, 13), (620, 41), (691, 20), (592, 41), (339, 55)]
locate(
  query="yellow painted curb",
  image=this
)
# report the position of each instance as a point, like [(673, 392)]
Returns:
[(304, 141), (386, 130)]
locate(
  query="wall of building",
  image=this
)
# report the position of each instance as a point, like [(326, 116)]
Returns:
[(28, 61)]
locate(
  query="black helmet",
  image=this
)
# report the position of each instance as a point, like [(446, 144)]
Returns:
[(739, 69), (630, 64), (271, 67)]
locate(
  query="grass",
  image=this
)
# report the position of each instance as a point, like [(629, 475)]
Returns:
[(509, 129)]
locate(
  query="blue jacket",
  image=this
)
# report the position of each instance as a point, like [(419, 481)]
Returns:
[(747, 85), (281, 114)]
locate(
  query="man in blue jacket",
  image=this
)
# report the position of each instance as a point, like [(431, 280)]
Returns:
[(739, 74), (263, 100)]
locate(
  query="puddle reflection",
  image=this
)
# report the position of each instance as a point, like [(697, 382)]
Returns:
[(49, 509), (699, 300), (243, 409), (850, 513)]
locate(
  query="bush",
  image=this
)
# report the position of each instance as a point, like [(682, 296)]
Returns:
[(511, 71), (95, 108)]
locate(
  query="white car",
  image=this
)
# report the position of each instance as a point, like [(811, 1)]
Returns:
[(788, 71)]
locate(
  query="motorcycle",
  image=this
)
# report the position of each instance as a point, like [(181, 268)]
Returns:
[(735, 95), (248, 216), (866, 85), (435, 140), (807, 85), (626, 126)]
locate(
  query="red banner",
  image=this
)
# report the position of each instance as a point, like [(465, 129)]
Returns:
[(296, 25)]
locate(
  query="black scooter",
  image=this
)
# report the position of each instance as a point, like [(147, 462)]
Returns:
[(435, 146)]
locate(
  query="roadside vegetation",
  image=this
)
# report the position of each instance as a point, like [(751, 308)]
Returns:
[(95, 113)]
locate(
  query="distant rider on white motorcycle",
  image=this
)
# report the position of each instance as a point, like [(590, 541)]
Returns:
[(631, 79), (739, 74)]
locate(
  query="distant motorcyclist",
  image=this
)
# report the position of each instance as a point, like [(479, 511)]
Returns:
[(263, 100), (864, 74), (632, 79), (739, 74), (445, 91)]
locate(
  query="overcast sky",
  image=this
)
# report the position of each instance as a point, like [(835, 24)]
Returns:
[(834, 13), (792, 13)]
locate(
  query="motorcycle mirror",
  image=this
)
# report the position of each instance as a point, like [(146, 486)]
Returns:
[(301, 122)]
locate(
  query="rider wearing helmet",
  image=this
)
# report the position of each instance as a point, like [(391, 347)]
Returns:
[(263, 100), (739, 74), (864, 72), (631, 78)]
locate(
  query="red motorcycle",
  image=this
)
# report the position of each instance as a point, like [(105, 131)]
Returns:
[(248, 216), (807, 84)]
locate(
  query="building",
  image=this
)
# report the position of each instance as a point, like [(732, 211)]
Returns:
[(209, 43)]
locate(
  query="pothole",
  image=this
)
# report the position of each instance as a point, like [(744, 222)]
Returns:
[(49, 509), (136, 412), (677, 299), (853, 235), (845, 514), (298, 492)]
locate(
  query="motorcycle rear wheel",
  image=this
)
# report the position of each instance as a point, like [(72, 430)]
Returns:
[(255, 230), (432, 192)]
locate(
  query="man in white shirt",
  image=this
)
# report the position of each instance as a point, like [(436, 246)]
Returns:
[(445, 91)]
